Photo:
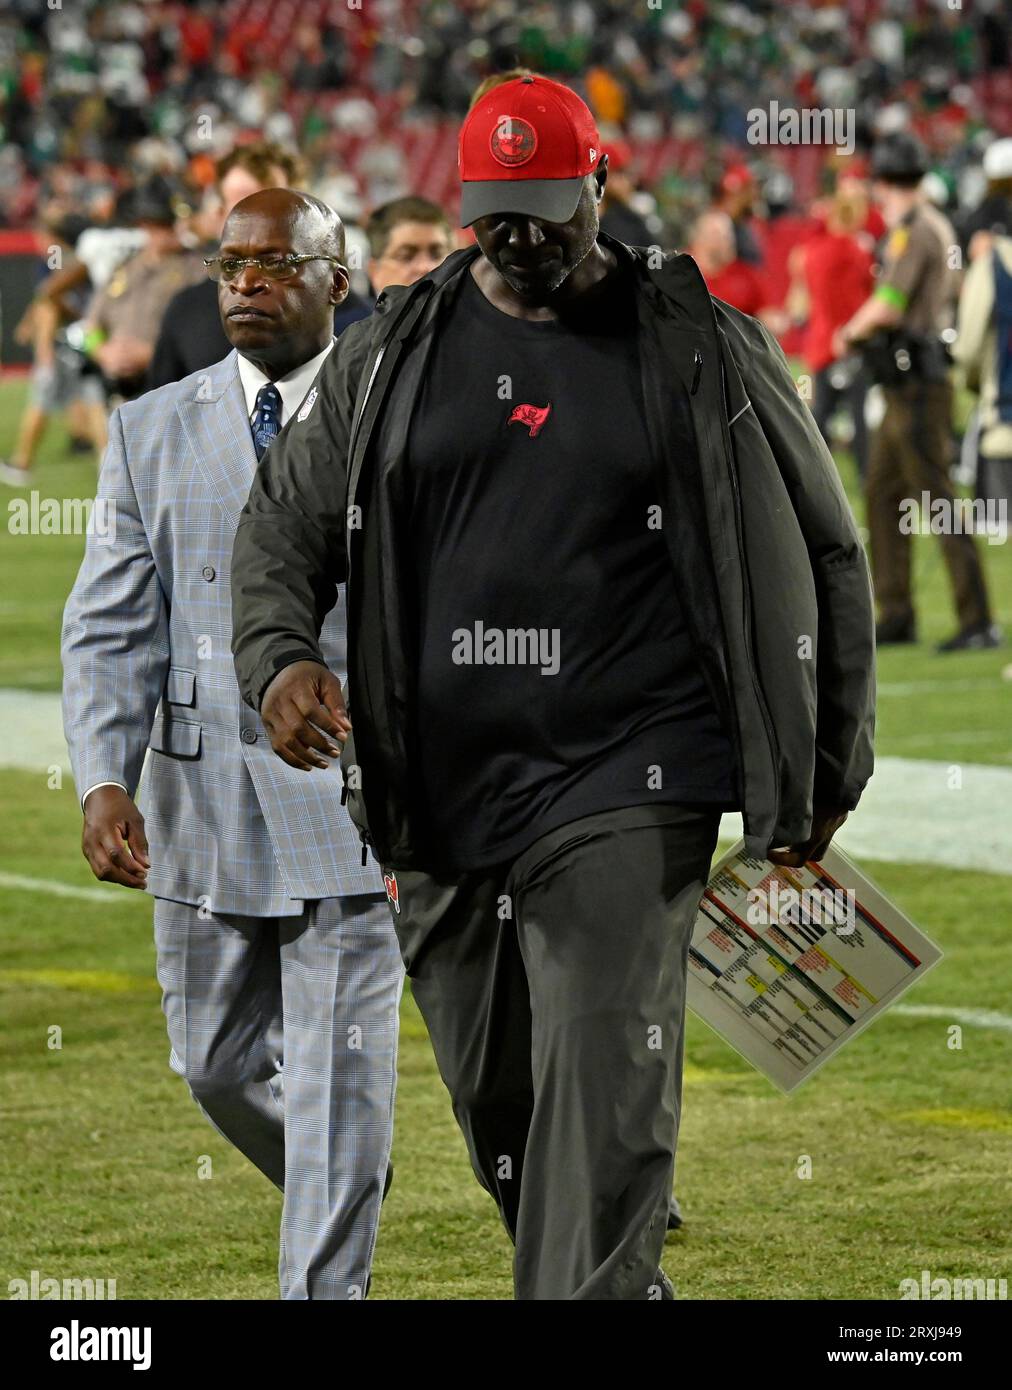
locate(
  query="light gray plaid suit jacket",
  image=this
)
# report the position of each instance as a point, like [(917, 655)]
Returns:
[(147, 664)]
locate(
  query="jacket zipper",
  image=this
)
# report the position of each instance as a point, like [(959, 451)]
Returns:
[(365, 398), (771, 738), (395, 732), (719, 688), (697, 372), (364, 836)]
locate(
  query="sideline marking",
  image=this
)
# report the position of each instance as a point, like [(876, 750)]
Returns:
[(61, 890), (973, 1018)]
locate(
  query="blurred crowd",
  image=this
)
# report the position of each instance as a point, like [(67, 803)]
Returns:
[(95, 94), (131, 129)]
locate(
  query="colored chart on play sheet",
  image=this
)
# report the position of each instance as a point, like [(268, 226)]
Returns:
[(788, 965)]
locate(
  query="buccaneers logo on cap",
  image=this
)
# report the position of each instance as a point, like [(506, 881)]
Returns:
[(513, 141)]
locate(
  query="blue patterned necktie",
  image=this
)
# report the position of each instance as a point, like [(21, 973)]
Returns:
[(266, 422)]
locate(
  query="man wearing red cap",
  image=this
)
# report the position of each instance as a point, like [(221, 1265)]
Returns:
[(602, 583), (618, 216), (736, 195)]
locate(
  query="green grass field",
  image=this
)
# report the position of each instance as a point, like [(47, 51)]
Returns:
[(910, 1142)]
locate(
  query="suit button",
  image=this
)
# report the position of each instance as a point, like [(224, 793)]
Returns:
[(208, 572), (249, 735)]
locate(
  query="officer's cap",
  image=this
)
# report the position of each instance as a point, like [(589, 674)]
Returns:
[(899, 158)]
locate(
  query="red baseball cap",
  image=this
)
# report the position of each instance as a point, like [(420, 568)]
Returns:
[(736, 176), (526, 147), (619, 154)]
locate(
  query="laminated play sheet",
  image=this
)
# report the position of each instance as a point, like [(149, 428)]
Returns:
[(788, 965)]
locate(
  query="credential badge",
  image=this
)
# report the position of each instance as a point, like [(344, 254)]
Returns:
[(307, 405)]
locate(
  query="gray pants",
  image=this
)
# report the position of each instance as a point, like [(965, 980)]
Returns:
[(553, 989), (285, 1029)]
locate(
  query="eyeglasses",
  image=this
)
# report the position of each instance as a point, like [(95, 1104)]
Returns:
[(275, 267), (407, 254)]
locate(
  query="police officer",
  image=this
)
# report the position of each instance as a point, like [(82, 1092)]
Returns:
[(124, 318), (898, 329)]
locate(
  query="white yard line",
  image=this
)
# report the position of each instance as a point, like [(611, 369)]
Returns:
[(949, 737), (62, 890), (930, 687), (32, 730), (973, 1018), (910, 814)]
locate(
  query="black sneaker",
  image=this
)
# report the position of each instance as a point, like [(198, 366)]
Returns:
[(982, 638), (895, 631), (674, 1215), (663, 1291)]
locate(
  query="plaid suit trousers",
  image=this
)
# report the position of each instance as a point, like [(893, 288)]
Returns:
[(285, 1030)]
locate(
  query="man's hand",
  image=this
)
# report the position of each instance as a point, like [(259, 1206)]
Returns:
[(841, 344), (113, 839), (825, 823), (301, 701), (24, 330), (123, 356)]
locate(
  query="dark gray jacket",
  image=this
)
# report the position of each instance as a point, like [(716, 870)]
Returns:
[(771, 570)]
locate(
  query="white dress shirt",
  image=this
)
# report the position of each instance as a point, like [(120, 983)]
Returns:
[(293, 390)]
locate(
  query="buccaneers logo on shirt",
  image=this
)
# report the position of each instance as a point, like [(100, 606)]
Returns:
[(533, 416), (513, 141)]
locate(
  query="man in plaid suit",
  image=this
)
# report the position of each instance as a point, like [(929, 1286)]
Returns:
[(276, 955)]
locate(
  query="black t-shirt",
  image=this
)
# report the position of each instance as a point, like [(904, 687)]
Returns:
[(556, 677)]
